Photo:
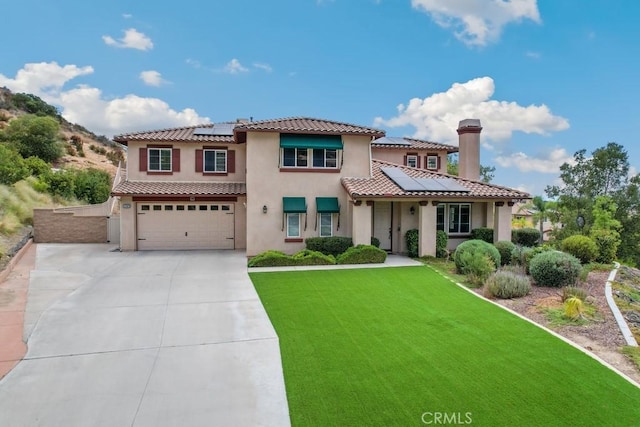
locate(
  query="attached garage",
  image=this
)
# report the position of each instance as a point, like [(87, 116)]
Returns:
[(185, 225)]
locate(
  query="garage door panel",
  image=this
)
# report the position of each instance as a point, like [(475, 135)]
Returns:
[(185, 226)]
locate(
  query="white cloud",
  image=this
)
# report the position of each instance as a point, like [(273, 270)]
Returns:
[(533, 55), (548, 163), (87, 105), (127, 15), (478, 22), (43, 78), (263, 66), (152, 78), (234, 67), (436, 117), (193, 62), (133, 39)]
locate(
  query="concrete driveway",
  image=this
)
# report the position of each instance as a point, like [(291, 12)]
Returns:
[(144, 339)]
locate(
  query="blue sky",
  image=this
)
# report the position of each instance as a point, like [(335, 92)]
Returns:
[(545, 78)]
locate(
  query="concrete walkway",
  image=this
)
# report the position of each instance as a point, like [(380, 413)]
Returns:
[(144, 339)]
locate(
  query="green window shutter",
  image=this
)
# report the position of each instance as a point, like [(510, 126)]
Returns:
[(327, 205), (294, 205), (329, 142)]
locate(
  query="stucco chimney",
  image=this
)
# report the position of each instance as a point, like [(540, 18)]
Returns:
[(469, 149)]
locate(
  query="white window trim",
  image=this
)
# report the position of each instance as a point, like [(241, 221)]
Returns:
[(289, 236), (310, 158), (429, 159), (170, 150), (413, 157), (215, 155), (331, 225)]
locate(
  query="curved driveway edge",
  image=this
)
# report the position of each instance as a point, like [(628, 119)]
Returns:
[(144, 339)]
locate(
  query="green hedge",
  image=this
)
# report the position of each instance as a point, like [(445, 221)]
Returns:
[(505, 247), (442, 240), (526, 236), (482, 233), (362, 254), (280, 259), (329, 245), (413, 239)]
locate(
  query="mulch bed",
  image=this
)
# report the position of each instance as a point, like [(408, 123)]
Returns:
[(601, 336)]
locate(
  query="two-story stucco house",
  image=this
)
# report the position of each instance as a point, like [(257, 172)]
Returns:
[(270, 184)]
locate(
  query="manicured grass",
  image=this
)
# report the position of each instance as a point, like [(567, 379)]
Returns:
[(381, 347)]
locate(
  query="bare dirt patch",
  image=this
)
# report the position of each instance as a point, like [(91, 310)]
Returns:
[(600, 336)]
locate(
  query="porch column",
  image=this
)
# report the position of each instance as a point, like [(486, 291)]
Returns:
[(361, 223), (489, 214), (427, 226), (502, 221)]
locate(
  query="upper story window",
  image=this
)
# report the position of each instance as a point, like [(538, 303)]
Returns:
[(159, 159), (310, 151), (215, 160), (412, 160), (432, 162)]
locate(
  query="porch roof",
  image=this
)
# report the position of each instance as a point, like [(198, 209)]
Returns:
[(380, 185), (164, 188)]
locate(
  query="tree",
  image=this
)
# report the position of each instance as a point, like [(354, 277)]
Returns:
[(541, 210), (34, 105), (35, 136), (12, 166), (487, 173), (605, 173)]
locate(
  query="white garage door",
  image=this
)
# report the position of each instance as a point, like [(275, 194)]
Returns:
[(166, 225)]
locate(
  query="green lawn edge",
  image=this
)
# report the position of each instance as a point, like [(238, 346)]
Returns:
[(386, 346)]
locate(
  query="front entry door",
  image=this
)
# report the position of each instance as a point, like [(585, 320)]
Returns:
[(382, 224)]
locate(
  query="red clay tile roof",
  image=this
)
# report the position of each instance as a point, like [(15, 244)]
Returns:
[(417, 144), (308, 125), (153, 188), (380, 185), (181, 134)]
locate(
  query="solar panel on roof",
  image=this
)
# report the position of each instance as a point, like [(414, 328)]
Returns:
[(408, 183), (203, 131), (223, 129), (391, 140), (451, 184), (218, 129)]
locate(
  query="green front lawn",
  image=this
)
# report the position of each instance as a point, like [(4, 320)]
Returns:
[(398, 346)]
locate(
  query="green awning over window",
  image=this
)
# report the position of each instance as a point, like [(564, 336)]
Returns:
[(330, 142), (327, 205), (294, 205)]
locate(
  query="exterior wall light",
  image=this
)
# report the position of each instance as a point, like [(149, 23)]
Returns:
[(412, 210), (264, 209)]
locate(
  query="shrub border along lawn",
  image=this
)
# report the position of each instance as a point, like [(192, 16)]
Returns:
[(322, 391)]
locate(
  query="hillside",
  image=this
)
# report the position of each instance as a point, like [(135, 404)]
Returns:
[(14, 105), (83, 151)]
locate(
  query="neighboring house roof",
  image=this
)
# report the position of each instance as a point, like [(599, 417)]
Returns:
[(395, 143), (380, 185), (142, 188), (307, 125), (181, 134)]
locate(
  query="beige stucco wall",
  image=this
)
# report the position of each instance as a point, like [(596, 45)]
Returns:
[(397, 156), (267, 185), (362, 224), (187, 163), (502, 223)]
